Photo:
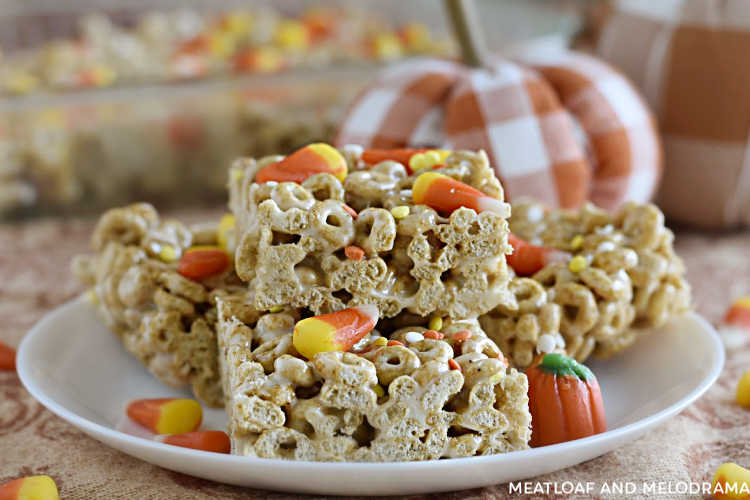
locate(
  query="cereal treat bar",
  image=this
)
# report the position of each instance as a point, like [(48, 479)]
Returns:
[(419, 394), (621, 275), (356, 235), (140, 289)]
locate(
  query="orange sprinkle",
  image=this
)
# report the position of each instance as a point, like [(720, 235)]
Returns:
[(462, 335), (432, 334), (350, 211), (454, 365), (354, 252), (394, 342)]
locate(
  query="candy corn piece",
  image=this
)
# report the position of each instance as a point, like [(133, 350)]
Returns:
[(375, 156), (215, 441), (337, 331), (7, 358), (738, 313), (527, 259), (731, 481), (318, 158), (30, 488), (203, 261), (446, 194), (167, 415)]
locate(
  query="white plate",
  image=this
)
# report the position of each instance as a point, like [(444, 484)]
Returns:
[(77, 369)]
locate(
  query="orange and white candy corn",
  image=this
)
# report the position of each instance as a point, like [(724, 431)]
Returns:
[(738, 313), (201, 262), (214, 441), (527, 259), (337, 331), (166, 415), (30, 488), (7, 357), (318, 158), (446, 194), (731, 481)]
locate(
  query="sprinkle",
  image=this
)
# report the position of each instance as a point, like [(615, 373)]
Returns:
[(436, 323), (354, 252), (462, 335), (432, 334), (380, 341), (454, 365), (394, 342), (226, 224), (400, 211), (413, 337), (605, 246), (92, 297), (577, 264), (576, 242), (378, 389), (546, 343), (350, 211), (276, 309), (237, 174), (168, 253)]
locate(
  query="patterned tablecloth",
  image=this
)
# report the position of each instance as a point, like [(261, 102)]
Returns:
[(34, 260)]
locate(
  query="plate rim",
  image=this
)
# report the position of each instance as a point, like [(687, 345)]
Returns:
[(96, 430)]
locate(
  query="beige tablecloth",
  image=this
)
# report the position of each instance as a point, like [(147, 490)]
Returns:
[(34, 278)]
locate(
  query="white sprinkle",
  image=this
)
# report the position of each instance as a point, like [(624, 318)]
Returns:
[(546, 343), (353, 149), (272, 183), (605, 246), (535, 213), (412, 337)]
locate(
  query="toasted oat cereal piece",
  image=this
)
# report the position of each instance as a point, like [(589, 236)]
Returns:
[(165, 319), (623, 277), (385, 400), (325, 244)]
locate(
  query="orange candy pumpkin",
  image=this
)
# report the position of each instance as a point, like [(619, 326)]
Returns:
[(564, 399)]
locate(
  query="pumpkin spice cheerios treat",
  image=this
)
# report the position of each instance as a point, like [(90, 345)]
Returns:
[(154, 283), (357, 395), (613, 276), (414, 230)]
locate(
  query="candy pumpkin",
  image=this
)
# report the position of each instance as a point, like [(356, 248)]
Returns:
[(564, 399)]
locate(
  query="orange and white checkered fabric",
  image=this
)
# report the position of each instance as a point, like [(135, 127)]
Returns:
[(561, 129), (689, 58)]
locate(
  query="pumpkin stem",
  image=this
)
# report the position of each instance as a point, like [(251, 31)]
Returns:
[(561, 365)]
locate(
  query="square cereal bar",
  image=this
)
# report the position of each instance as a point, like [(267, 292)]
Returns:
[(325, 244), (414, 396), (628, 278), (163, 318)]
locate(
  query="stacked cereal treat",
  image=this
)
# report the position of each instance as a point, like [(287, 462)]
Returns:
[(620, 276), (162, 317), (355, 235), (417, 394), (414, 242)]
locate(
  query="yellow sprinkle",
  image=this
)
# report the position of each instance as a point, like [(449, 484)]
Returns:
[(576, 242), (291, 35), (436, 323), (21, 83), (386, 46), (226, 224), (380, 341), (378, 390), (276, 309), (237, 174), (92, 297), (577, 264), (400, 211), (168, 253)]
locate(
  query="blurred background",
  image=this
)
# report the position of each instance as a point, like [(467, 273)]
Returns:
[(106, 102)]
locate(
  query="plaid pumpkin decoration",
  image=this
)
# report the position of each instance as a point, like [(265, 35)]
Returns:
[(562, 128), (689, 58)]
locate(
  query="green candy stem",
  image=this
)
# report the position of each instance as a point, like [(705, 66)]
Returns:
[(561, 365)]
